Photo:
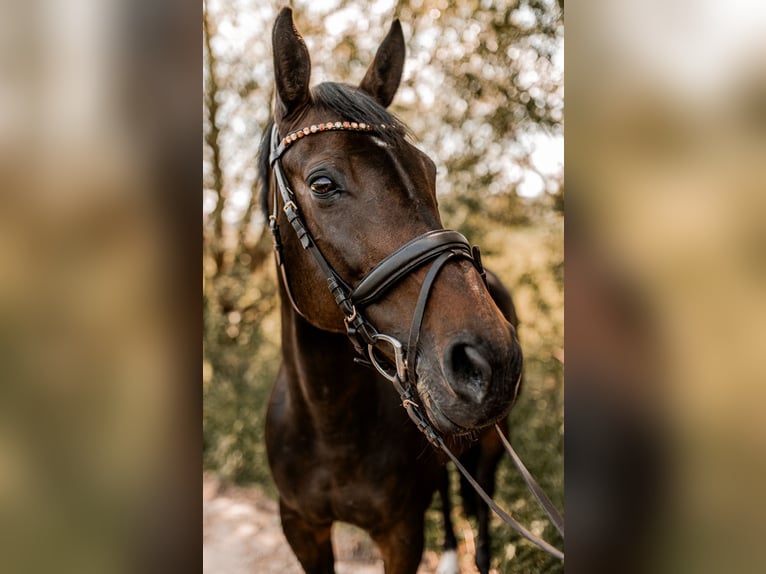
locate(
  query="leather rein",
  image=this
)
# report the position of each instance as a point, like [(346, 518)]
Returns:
[(436, 247)]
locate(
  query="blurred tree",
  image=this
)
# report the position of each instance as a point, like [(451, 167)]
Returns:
[(483, 81)]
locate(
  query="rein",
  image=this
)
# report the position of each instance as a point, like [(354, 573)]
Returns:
[(438, 247)]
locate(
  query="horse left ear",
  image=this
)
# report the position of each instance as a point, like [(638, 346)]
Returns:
[(292, 67), (384, 74)]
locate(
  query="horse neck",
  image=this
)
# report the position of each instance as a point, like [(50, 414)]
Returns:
[(320, 367), (339, 402)]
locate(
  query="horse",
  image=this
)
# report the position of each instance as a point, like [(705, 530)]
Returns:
[(381, 308)]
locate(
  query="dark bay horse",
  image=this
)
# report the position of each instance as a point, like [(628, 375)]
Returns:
[(369, 275)]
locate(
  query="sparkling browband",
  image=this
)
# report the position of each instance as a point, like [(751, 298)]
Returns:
[(292, 137), (331, 126)]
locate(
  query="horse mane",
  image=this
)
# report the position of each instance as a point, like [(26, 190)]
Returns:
[(347, 103)]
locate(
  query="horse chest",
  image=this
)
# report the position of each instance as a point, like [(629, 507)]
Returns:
[(363, 487), (369, 490), (367, 469)]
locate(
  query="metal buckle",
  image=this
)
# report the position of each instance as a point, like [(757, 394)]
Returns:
[(401, 366), (289, 205), (350, 318)]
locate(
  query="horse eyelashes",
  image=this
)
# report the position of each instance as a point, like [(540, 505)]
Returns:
[(323, 185)]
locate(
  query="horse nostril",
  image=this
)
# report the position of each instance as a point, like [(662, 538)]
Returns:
[(467, 371)]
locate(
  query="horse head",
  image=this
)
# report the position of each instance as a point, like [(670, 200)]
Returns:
[(362, 191)]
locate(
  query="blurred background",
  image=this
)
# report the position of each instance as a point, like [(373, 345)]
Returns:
[(482, 92), (99, 246), (665, 247)]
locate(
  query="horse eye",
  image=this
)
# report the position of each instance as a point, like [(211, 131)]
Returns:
[(323, 185)]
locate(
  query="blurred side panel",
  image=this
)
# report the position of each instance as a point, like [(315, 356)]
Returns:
[(100, 315), (665, 261)]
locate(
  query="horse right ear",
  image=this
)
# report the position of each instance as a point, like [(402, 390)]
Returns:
[(384, 74), (292, 66)]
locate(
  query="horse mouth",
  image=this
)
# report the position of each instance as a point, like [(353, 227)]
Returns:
[(446, 424), (469, 424), (440, 420)]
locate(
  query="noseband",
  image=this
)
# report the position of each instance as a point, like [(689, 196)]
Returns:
[(436, 247)]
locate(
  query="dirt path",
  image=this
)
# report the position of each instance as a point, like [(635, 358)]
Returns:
[(242, 535)]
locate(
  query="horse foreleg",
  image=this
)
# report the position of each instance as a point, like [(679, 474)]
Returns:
[(483, 540), (486, 468), (448, 562), (311, 543), (402, 546)]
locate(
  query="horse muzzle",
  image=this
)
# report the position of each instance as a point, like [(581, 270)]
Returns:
[(473, 385)]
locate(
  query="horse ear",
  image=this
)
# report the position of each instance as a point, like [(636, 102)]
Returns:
[(384, 74), (292, 66)]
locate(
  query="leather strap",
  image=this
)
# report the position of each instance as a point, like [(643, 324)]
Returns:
[(420, 307), (404, 260), (542, 498), (425, 427), (507, 518), (359, 330)]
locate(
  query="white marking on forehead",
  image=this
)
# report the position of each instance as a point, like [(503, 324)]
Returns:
[(379, 142)]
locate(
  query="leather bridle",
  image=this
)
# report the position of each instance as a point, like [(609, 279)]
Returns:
[(436, 247)]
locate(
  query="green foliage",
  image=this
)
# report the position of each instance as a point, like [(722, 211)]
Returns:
[(241, 356)]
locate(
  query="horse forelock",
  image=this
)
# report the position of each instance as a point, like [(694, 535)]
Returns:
[(353, 104)]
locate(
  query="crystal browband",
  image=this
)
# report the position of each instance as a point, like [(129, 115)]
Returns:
[(327, 127)]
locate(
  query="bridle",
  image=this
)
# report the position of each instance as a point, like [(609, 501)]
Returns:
[(437, 248)]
